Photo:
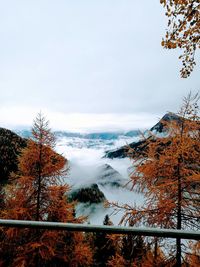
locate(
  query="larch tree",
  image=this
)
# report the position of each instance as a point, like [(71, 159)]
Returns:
[(183, 30), (169, 177), (104, 247), (133, 249), (38, 192)]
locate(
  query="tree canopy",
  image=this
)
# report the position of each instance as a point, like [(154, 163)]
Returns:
[(36, 193), (168, 176), (183, 30)]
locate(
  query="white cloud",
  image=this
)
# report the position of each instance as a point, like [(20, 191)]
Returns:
[(23, 116), (84, 170), (86, 57)]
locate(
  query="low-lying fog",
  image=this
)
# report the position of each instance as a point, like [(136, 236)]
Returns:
[(85, 157)]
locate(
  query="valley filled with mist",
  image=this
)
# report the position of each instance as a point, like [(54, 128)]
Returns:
[(99, 168), (88, 164)]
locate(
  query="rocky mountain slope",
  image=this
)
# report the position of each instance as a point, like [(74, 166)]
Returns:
[(135, 148), (105, 176), (108, 176), (10, 147), (163, 125)]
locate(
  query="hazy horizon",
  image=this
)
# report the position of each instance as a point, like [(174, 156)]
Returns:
[(88, 66), (89, 123)]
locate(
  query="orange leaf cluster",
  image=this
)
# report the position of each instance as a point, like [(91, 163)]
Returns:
[(183, 30)]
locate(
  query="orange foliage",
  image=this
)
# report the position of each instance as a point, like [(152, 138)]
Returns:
[(36, 193), (171, 160), (183, 30), (193, 259), (169, 176), (117, 261)]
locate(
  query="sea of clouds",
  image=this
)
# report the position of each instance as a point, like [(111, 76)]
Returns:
[(85, 156)]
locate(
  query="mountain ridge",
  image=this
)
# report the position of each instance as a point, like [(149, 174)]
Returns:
[(139, 147), (93, 135)]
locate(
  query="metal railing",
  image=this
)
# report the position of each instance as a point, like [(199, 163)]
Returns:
[(167, 233)]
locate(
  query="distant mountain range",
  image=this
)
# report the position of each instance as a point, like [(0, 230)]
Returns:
[(105, 177), (99, 135), (11, 143), (159, 127)]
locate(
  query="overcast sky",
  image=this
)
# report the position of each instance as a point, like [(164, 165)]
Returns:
[(87, 65)]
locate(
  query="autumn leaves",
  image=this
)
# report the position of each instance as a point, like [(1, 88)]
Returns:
[(183, 30), (35, 192)]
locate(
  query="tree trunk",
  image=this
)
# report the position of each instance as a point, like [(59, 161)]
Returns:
[(178, 240), (39, 185), (155, 252), (178, 252)]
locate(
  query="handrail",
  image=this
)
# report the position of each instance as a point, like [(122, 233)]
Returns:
[(167, 233)]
